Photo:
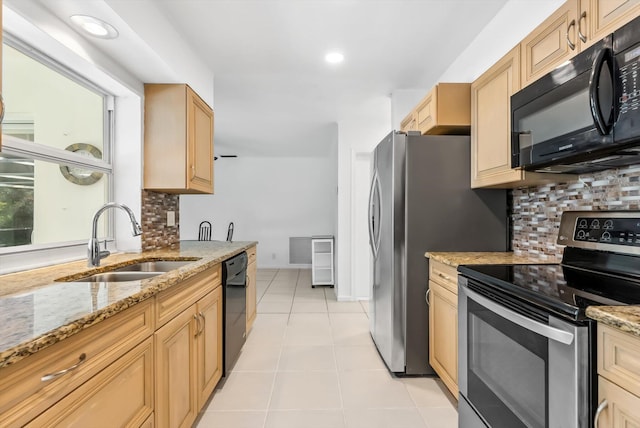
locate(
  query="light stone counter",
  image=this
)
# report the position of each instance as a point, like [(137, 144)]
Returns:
[(625, 318), (36, 311), (456, 259)]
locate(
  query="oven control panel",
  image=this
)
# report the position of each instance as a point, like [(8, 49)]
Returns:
[(608, 230)]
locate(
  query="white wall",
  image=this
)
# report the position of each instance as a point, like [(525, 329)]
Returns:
[(357, 134), (510, 25), (268, 199)]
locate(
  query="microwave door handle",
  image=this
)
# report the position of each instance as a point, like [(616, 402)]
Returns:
[(524, 322), (604, 128)]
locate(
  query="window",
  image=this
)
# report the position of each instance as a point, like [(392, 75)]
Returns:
[(55, 163)]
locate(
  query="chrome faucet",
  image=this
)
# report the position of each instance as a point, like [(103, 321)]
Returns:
[(94, 255)]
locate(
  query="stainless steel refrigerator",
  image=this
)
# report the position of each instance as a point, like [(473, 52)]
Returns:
[(421, 201)]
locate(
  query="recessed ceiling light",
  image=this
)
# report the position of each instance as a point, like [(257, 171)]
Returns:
[(95, 27), (334, 57)]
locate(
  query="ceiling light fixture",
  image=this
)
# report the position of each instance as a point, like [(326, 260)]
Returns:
[(334, 57), (95, 27)]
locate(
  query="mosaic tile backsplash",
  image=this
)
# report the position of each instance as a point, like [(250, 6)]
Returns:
[(155, 232), (537, 210)]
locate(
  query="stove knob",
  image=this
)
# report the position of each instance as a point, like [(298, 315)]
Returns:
[(606, 237), (608, 224), (581, 234), (595, 224)]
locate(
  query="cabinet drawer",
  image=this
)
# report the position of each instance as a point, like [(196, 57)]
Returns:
[(622, 407), (619, 357), (445, 275), (171, 302), (121, 395), (251, 255), (23, 393)]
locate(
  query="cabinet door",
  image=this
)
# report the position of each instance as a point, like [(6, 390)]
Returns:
[(121, 395), (551, 43), (491, 122), (409, 123), (176, 401), (200, 142), (622, 407), (427, 111), (443, 335), (209, 340), (251, 294), (602, 17)]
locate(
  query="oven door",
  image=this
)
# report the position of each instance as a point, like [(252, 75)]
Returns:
[(519, 367)]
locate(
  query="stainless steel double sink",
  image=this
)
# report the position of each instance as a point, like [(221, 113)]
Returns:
[(133, 272)]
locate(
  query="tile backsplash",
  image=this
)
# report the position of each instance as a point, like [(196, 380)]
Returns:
[(537, 210), (155, 232)]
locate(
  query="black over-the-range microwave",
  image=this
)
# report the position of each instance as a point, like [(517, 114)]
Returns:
[(585, 115)]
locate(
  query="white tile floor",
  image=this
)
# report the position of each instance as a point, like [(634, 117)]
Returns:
[(309, 362)]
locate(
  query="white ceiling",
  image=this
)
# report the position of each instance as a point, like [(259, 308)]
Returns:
[(273, 92)]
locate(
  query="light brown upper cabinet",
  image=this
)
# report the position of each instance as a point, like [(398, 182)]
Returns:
[(576, 25), (491, 128), (178, 140), (444, 110), (601, 17)]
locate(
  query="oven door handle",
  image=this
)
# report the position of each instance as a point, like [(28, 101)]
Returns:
[(524, 322)]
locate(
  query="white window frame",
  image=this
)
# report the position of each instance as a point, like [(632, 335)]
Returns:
[(36, 151)]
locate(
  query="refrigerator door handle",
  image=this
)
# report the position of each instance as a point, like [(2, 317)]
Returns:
[(371, 220), (379, 193)]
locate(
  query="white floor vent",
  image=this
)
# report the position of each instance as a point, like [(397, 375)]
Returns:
[(300, 250)]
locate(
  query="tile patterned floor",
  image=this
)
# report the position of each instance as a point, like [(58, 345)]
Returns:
[(309, 362)]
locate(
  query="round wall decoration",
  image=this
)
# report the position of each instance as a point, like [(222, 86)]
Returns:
[(78, 175)]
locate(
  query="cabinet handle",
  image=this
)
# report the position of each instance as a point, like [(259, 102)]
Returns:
[(572, 45), (426, 296), (443, 276), (197, 318), (582, 36), (81, 359), (204, 322), (600, 409)]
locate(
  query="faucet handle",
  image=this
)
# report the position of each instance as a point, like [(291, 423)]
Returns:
[(104, 253)]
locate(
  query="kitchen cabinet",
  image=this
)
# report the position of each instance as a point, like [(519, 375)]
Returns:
[(178, 140), (551, 43), (252, 274), (188, 348), (443, 323), (112, 354), (601, 17), (444, 110), (409, 123), (618, 378), (120, 395), (491, 128), (573, 27), (322, 268)]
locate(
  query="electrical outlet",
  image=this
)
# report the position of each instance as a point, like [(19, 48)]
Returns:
[(171, 218)]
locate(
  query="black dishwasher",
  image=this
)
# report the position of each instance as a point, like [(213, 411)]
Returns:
[(234, 281)]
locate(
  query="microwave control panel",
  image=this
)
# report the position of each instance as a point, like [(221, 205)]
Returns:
[(628, 68)]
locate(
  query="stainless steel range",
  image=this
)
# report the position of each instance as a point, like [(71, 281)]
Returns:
[(526, 348)]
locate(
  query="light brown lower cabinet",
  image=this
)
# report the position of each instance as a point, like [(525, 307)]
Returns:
[(443, 323), (188, 359), (252, 274), (618, 379), (153, 365), (119, 396)]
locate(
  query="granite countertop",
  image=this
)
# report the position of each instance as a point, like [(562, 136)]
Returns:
[(36, 311), (456, 259), (625, 318)]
